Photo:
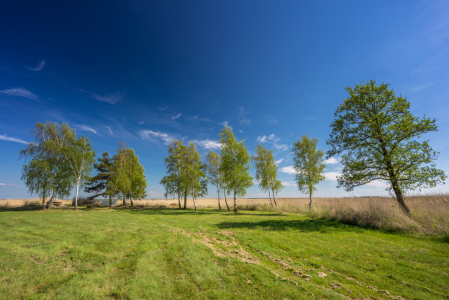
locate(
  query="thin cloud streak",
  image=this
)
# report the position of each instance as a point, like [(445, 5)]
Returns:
[(288, 170), (112, 99), (150, 135), (332, 161), (39, 66), (88, 128), (20, 92), (175, 117), (109, 128), (3, 137)]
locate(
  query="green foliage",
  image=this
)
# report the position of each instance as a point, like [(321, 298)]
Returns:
[(176, 181), (79, 157), (234, 164), (381, 141), (47, 172), (99, 184), (266, 170), (308, 163), (128, 177)]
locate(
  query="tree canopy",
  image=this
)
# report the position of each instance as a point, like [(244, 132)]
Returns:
[(234, 164), (381, 140), (309, 166)]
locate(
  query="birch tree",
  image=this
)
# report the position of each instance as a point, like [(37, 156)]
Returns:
[(174, 182), (234, 164), (309, 165), (266, 171), (120, 182), (46, 172), (213, 169), (79, 157), (195, 173), (380, 139)]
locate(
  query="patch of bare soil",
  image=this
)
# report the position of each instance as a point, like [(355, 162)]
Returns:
[(228, 249)]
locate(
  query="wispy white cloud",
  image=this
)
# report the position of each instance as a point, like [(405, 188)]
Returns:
[(209, 144), (20, 92), (332, 176), (242, 116), (226, 124), (175, 117), (38, 67), (289, 183), (87, 128), (3, 137), (279, 161), (274, 139), (151, 135), (109, 128), (112, 99), (163, 107), (8, 184), (141, 123), (332, 161), (288, 170), (310, 118), (262, 138)]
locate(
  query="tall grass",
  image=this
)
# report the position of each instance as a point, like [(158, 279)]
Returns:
[(429, 213)]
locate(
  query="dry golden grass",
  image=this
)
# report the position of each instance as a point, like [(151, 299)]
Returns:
[(429, 213)]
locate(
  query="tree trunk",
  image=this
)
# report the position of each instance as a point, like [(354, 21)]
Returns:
[(219, 205), (194, 204), (274, 198), (110, 201), (76, 195), (43, 202), (310, 203), (400, 199), (179, 200), (50, 201), (132, 202), (235, 202), (124, 201), (185, 200), (226, 201), (270, 197)]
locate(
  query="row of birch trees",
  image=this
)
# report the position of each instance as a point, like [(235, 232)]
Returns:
[(58, 161), (228, 170)]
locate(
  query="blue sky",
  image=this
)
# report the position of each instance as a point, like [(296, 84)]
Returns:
[(147, 73)]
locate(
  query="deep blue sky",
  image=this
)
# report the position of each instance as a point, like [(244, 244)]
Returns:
[(273, 70)]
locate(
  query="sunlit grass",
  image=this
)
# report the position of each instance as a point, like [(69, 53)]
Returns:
[(170, 253)]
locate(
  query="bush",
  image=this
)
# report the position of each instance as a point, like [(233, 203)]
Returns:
[(83, 201)]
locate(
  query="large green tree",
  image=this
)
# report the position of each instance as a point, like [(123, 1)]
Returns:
[(309, 165), (266, 171), (100, 183), (381, 141), (234, 164), (46, 172)]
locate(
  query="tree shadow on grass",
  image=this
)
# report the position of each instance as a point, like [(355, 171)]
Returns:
[(322, 226), (183, 212), (25, 207)]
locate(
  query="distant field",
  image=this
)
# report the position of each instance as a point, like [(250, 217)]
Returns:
[(182, 254)]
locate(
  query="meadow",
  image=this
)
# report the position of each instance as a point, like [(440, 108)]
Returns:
[(156, 251)]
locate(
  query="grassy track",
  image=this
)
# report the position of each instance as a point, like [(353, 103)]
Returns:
[(173, 254)]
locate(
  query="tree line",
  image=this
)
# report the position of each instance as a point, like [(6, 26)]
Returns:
[(58, 160), (374, 131)]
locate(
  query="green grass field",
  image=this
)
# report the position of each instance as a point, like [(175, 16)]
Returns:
[(175, 254)]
